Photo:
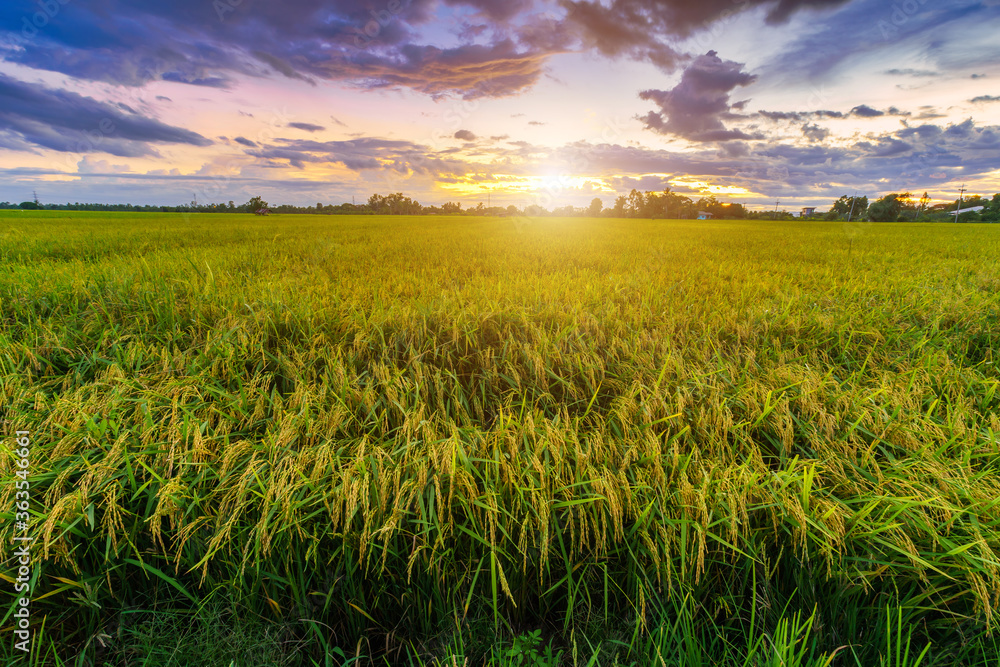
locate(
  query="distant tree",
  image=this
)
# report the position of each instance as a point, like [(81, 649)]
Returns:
[(636, 204), (674, 205), (708, 203), (620, 204), (734, 211), (376, 204), (255, 204), (595, 208), (854, 208), (924, 201), (719, 209), (29, 206), (653, 204), (975, 200), (452, 207), (888, 208), (512, 210), (992, 212)]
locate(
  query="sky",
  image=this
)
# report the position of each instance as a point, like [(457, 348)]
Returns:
[(502, 101)]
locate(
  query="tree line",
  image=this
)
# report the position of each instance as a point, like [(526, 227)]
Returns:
[(636, 204), (894, 207), (905, 207)]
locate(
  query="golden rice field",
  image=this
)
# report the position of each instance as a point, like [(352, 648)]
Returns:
[(455, 440)]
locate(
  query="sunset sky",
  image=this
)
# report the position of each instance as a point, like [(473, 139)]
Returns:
[(524, 101)]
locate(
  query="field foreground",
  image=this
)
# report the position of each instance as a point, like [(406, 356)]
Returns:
[(413, 439)]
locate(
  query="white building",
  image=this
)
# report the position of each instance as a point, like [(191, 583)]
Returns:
[(966, 210)]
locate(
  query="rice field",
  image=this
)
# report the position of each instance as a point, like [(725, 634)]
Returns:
[(458, 440)]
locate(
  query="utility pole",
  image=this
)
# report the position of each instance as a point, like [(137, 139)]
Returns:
[(776, 209), (854, 198), (958, 206)]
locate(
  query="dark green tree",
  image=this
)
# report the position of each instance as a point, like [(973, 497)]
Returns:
[(255, 204), (854, 208), (888, 208), (992, 212)]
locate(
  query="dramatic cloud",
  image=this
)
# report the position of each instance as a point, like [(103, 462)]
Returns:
[(241, 65), (941, 31), (866, 111), (68, 122), (496, 10), (908, 159), (814, 132), (799, 115), (695, 107), (370, 44), (903, 159), (307, 127), (618, 31), (367, 153), (204, 43), (609, 24), (471, 70)]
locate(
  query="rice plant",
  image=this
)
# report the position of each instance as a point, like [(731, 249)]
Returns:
[(392, 437)]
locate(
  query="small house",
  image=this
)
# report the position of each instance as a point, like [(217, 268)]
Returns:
[(705, 215), (262, 211), (807, 211)]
